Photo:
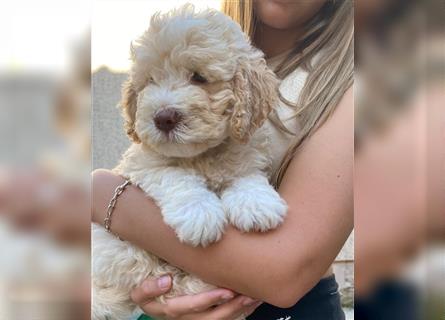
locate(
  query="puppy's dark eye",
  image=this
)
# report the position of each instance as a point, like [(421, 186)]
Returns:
[(196, 77), (151, 80)]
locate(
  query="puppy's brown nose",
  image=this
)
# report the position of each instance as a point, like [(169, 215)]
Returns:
[(167, 119)]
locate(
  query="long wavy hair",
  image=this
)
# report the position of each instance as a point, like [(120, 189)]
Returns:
[(330, 36)]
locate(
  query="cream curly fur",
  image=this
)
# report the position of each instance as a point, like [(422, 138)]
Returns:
[(209, 171)]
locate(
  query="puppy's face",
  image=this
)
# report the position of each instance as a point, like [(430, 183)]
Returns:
[(195, 82)]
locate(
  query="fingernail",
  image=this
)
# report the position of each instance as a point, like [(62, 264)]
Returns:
[(249, 301), (227, 296), (164, 282)]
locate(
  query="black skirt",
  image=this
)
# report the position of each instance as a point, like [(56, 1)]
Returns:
[(321, 303)]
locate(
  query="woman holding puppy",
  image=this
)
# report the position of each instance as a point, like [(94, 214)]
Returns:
[(284, 273)]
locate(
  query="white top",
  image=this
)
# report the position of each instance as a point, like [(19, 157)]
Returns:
[(290, 89)]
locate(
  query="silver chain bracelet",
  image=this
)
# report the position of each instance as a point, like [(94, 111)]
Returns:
[(117, 192)]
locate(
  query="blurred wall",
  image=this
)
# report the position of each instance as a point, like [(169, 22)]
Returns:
[(109, 138), (26, 102)]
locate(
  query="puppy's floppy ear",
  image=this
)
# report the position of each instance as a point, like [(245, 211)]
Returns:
[(129, 106), (255, 89)]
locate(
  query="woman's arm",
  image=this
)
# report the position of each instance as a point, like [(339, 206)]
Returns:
[(280, 266)]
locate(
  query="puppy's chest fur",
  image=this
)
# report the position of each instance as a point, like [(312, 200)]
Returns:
[(219, 166), (229, 161)]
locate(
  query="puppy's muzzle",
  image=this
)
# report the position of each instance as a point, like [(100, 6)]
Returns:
[(167, 119)]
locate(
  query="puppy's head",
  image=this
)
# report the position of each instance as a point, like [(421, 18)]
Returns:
[(195, 81)]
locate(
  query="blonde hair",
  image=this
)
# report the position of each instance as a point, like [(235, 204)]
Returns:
[(329, 36)]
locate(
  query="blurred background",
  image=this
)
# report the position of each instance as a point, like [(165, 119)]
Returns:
[(47, 126), (399, 177), (45, 159)]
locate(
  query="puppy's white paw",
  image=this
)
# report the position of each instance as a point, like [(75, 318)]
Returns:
[(197, 220), (253, 205)]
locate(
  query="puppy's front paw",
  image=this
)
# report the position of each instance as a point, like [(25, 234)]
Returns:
[(198, 220), (253, 205)]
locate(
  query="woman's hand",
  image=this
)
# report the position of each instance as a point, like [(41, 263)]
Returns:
[(218, 304)]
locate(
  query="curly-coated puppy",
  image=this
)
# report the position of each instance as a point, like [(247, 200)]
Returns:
[(196, 98)]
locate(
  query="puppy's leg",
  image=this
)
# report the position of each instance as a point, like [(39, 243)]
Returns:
[(252, 204), (194, 212)]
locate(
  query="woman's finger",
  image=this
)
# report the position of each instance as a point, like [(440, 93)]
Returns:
[(251, 309), (233, 309), (199, 302), (185, 305), (151, 288)]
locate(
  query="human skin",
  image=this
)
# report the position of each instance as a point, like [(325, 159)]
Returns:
[(287, 261), (281, 23), (192, 307)]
